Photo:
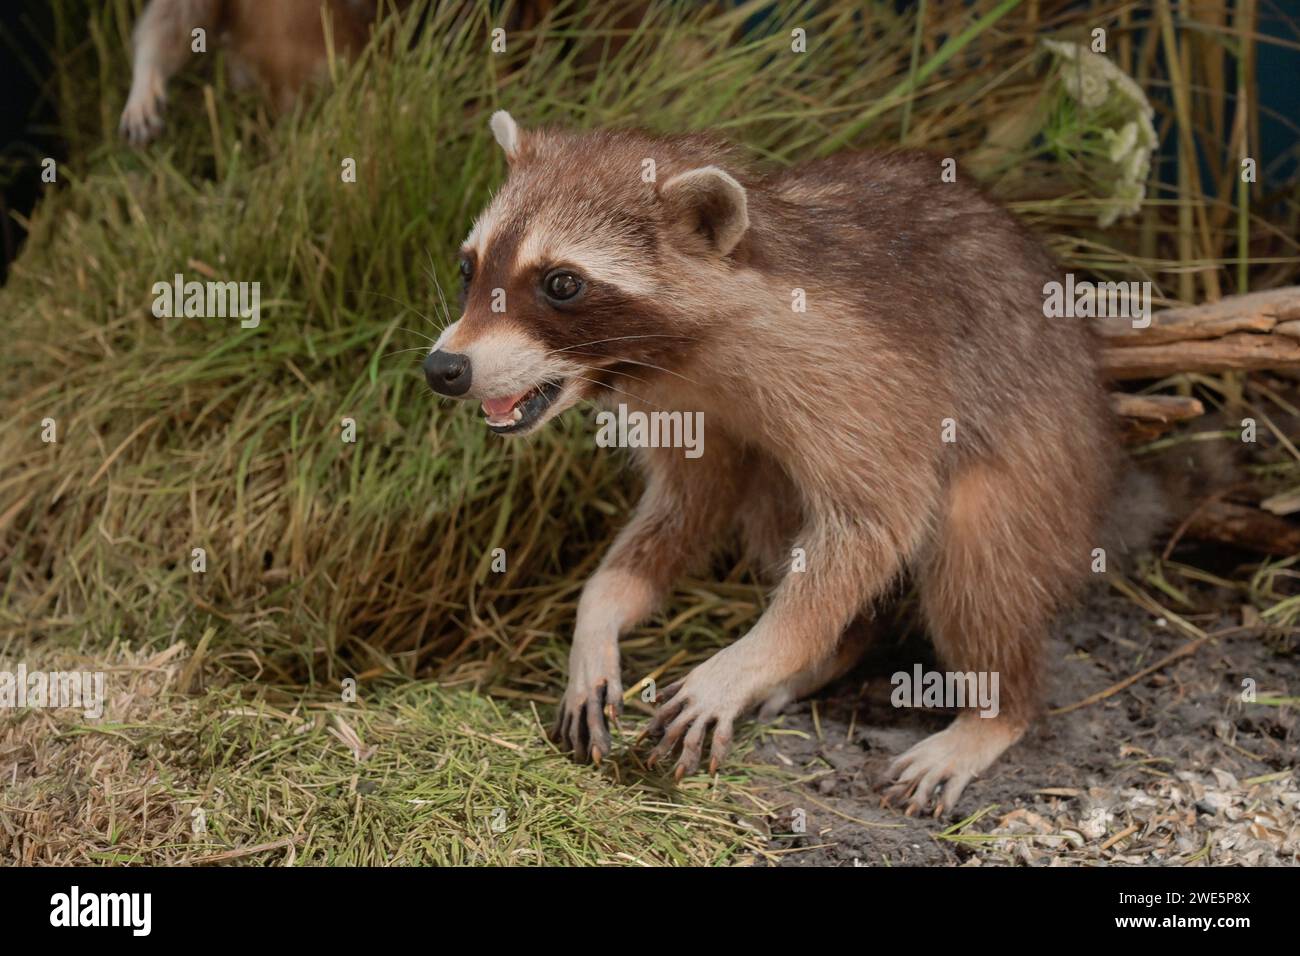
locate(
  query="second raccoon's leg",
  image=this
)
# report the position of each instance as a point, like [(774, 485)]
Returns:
[(685, 504), (161, 43), (999, 571)]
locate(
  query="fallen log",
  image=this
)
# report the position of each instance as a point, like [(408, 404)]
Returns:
[(1251, 332), (1235, 352)]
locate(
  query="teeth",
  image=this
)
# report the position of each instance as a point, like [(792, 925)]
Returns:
[(515, 415)]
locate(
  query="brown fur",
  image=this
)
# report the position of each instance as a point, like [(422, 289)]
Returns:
[(924, 303)]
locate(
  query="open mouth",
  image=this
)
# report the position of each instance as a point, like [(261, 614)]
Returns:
[(514, 413)]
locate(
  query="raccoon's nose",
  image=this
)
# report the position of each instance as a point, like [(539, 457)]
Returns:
[(447, 373)]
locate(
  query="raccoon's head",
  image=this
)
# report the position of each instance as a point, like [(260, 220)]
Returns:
[(588, 273)]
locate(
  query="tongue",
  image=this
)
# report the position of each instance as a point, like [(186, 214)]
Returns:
[(500, 407)]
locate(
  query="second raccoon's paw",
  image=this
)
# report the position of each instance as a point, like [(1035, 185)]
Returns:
[(582, 723), (939, 767), (142, 117)]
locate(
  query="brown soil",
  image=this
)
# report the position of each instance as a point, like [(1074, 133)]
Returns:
[(1173, 757)]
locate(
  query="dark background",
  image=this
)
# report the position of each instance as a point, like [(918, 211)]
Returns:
[(27, 119)]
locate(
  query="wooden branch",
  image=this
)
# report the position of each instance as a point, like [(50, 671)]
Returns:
[(1156, 408), (1251, 332), (1259, 330), (1253, 312), (1147, 417), (1244, 527), (1235, 352)]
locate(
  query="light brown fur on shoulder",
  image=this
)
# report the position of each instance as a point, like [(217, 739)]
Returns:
[(882, 393)]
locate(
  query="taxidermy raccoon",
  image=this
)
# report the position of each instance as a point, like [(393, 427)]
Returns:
[(882, 394)]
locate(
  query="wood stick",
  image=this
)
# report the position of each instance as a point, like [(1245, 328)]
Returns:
[(1145, 418), (1254, 312), (1235, 352), (1156, 408), (1252, 332), (1244, 527)]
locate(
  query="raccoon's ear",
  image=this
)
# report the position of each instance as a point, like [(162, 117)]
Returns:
[(711, 203), (506, 131)]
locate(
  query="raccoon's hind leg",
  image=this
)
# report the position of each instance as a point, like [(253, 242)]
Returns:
[(161, 43), (1010, 549)]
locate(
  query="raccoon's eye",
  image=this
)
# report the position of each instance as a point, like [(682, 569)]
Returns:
[(560, 285)]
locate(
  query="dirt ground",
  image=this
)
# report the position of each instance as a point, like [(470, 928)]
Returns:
[(1173, 769)]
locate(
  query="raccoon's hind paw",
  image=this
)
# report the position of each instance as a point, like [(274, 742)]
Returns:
[(142, 117), (940, 766)]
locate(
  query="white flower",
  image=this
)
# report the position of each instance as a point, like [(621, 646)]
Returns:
[(1147, 131), (1096, 70), (1126, 137), (1086, 84), (1066, 51), (1121, 143), (1136, 166)]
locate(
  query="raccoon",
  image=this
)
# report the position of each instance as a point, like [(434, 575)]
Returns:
[(882, 395), (280, 46)]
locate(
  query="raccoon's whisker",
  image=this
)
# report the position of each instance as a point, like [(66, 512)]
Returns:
[(420, 334), (621, 391), (446, 312), (660, 368), (593, 368), (418, 348), (622, 338), (405, 305)]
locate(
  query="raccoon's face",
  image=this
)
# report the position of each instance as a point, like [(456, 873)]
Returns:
[(562, 297)]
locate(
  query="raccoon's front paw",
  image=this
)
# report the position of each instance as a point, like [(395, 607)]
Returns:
[(688, 710), (592, 700), (142, 118)]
